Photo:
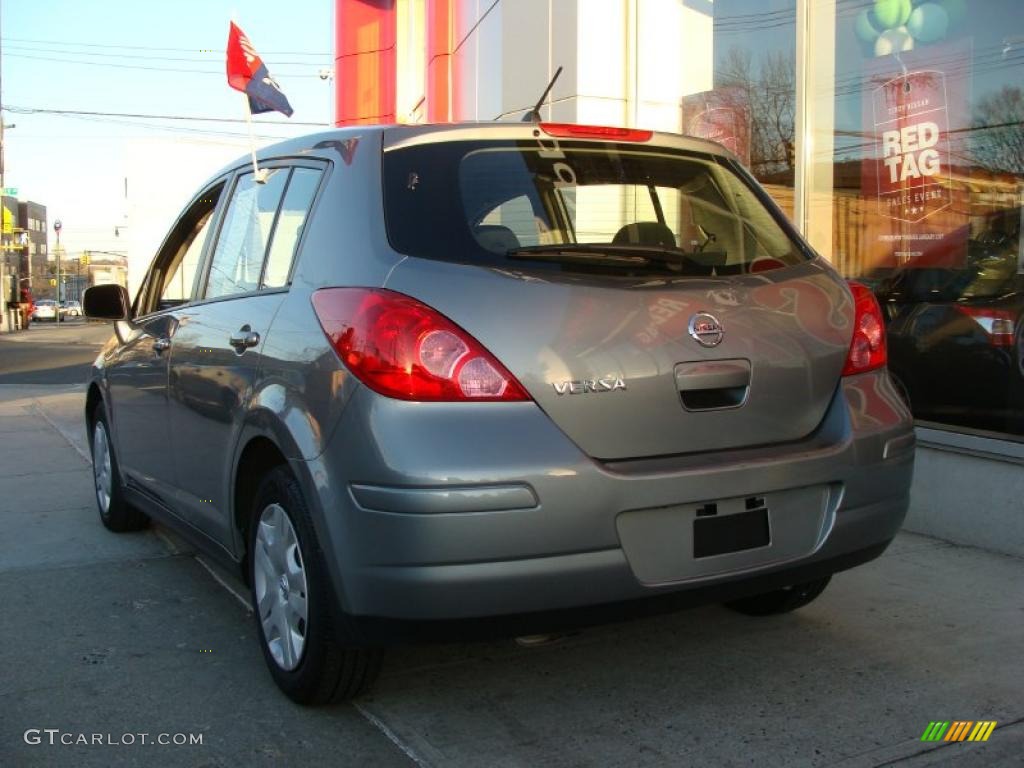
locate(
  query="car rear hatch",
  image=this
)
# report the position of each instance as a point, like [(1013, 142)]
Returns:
[(642, 288)]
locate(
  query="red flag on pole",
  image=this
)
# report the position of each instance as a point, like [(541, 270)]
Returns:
[(247, 73)]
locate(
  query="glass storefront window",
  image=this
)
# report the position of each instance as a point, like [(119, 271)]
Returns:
[(924, 122), (752, 109), (892, 132)]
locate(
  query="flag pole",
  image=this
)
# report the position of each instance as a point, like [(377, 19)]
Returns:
[(259, 176)]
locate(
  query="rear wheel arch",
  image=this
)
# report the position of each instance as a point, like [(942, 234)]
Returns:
[(259, 456), (265, 442)]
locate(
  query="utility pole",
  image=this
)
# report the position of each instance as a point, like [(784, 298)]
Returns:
[(3, 186), (1, 110), (56, 228), (6, 262)]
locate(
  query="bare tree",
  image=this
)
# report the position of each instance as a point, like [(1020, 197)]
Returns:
[(770, 91), (997, 137)]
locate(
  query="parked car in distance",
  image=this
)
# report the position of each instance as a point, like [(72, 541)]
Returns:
[(71, 309), (478, 379), (46, 309)]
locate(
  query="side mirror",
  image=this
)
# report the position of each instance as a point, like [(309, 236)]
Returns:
[(106, 302)]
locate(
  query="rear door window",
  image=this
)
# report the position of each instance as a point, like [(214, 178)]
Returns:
[(246, 231), (290, 223)]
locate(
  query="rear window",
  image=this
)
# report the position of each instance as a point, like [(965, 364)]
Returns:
[(494, 203)]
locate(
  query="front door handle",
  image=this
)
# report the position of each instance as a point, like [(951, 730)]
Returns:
[(244, 338), (161, 344)]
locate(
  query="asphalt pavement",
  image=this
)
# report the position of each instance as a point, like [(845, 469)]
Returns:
[(51, 353), (112, 636)]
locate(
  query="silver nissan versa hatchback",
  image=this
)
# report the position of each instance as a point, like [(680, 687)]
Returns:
[(479, 380)]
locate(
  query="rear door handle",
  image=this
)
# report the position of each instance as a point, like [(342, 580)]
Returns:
[(244, 338)]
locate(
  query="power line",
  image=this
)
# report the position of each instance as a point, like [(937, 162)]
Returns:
[(219, 72), (147, 47), (23, 50), (172, 128), (102, 118), (138, 115)]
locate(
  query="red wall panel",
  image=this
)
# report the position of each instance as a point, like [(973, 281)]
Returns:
[(440, 41), (364, 61)]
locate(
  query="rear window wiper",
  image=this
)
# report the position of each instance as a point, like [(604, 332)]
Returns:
[(612, 255)]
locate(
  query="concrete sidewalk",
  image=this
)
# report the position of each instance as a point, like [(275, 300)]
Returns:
[(116, 634), (128, 634)]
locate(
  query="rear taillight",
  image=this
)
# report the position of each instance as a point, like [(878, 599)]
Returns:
[(997, 324), (401, 348), (867, 349), (608, 132)]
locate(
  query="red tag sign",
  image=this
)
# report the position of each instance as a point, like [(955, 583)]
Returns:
[(915, 168), (912, 146)]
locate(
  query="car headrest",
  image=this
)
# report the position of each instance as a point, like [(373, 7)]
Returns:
[(645, 233), (496, 238)]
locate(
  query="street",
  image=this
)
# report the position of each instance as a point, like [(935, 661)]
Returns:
[(130, 634), (48, 353)]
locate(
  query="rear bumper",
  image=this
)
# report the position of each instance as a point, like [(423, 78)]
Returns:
[(529, 595), (376, 630), (432, 513)]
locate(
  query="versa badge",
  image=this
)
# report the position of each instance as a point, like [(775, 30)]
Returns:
[(585, 386)]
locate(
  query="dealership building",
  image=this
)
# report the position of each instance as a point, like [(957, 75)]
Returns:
[(890, 132)]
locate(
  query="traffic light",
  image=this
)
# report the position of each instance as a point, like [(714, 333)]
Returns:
[(53, 281), (84, 259)]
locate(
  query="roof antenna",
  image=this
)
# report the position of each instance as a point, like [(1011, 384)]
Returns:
[(533, 116)]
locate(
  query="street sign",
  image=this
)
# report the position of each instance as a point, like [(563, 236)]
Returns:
[(10, 191)]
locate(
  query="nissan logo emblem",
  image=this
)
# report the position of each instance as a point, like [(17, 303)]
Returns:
[(706, 329)]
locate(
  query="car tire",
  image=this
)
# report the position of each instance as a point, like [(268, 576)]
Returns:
[(780, 600), (115, 512), (305, 637)]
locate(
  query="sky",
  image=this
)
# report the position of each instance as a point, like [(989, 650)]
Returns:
[(141, 58)]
